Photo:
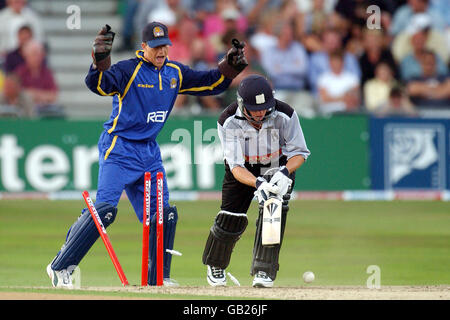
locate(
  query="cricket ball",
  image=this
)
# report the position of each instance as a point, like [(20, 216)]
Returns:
[(308, 276)]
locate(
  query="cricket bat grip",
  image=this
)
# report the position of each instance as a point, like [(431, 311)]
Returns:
[(274, 195)]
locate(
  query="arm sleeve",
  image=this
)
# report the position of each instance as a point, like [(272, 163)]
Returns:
[(294, 139), (202, 83), (112, 81), (231, 146)]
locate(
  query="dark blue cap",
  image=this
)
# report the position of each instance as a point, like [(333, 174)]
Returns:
[(256, 93), (156, 34)]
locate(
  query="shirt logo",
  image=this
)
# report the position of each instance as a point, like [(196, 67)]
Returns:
[(158, 32), (173, 83), (156, 116), (144, 85)]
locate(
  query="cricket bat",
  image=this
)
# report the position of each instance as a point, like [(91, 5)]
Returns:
[(271, 225)]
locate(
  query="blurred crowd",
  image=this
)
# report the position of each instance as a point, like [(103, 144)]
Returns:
[(323, 57), (28, 86)]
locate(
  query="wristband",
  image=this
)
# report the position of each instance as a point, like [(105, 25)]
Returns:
[(259, 181), (284, 171)]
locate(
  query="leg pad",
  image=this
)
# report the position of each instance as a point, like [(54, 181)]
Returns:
[(169, 227), (82, 235), (225, 232), (265, 258)]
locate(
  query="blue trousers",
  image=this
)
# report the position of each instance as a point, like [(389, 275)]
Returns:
[(122, 165)]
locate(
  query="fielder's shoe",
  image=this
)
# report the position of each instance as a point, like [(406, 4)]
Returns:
[(216, 277), (60, 279), (262, 280), (169, 282)]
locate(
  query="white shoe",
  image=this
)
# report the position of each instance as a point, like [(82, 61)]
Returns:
[(169, 282), (216, 277), (262, 280), (60, 279)]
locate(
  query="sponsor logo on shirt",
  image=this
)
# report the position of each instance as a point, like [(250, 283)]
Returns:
[(144, 85), (156, 116)]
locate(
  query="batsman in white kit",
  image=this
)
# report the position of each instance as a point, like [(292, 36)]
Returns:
[(263, 146)]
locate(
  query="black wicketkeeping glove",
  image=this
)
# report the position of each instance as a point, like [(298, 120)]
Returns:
[(101, 50), (234, 61)]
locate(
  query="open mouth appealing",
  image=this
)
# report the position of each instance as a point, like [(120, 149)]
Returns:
[(160, 59)]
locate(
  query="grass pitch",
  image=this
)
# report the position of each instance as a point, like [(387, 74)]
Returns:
[(408, 240)]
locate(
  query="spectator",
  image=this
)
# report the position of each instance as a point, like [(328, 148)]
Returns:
[(127, 34), (230, 18), (398, 104), (263, 37), (338, 89), (443, 8), (377, 90), (168, 12), (255, 9), (145, 7), (418, 36), (319, 62), (199, 104), (286, 64), (403, 16), (431, 89), (288, 10), (351, 18), (15, 15), (181, 45), (15, 58), (214, 22), (375, 51), (200, 8), (355, 11), (316, 6), (314, 18), (210, 103), (14, 102), (167, 15), (36, 78), (410, 66)]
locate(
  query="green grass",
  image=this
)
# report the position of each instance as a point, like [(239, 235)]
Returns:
[(409, 241)]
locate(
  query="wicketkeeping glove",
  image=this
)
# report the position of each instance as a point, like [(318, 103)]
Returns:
[(264, 189), (234, 61), (282, 180), (101, 48)]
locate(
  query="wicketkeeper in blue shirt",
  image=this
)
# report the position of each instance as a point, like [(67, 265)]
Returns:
[(144, 90)]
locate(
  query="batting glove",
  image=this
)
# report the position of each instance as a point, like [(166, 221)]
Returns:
[(264, 189), (282, 180)]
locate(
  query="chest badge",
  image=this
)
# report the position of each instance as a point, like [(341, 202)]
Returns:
[(173, 83)]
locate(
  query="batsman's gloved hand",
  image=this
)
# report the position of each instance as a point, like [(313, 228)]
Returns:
[(101, 48), (282, 180), (234, 61), (264, 189)]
